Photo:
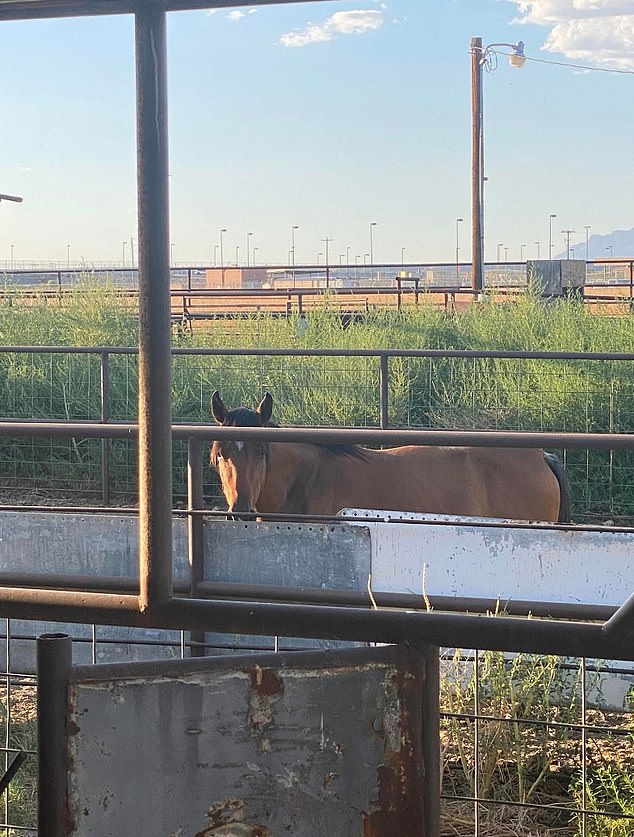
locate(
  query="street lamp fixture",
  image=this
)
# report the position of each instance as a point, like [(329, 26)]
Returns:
[(481, 55)]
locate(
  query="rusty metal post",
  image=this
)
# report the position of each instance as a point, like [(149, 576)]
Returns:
[(431, 740), (195, 531), (54, 657), (155, 432)]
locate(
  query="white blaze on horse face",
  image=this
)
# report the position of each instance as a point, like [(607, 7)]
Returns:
[(242, 473)]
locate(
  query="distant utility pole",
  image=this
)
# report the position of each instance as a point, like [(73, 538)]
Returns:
[(568, 233), (327, 242)]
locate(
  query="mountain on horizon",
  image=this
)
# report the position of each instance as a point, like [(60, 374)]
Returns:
[(618, 244)]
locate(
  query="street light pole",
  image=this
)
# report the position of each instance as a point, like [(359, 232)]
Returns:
[(537, 243), (293, 228), (222, 261), (587, 229), (372, 224), (249, 234), (458, 222), (522, 246), (550, 234), (479, 55), (498, 252)]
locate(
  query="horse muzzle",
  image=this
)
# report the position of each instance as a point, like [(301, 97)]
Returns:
[(241, 514)]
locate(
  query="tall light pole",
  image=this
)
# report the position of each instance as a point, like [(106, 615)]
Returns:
[(293, 228), (255, 250), (402, 256), (479, 56), (587, 229), (249, 234), (372, 224), (458, 222), (12, 246), (537, 244), (123, 246), (498, 252), (222, 261), (522, 246), (237, 254), (68, 256), (326, 242), (550, 234)]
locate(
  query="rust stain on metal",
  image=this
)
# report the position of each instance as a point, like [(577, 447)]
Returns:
[(266, 682), (227, 819), (398, 781)]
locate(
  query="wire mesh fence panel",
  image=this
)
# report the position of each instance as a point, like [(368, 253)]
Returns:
[(531, 747)]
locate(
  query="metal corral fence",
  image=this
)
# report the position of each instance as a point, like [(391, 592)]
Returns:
[(524, 741), (435, 389)]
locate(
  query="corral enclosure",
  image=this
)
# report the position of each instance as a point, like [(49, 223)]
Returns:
[(162, 604)]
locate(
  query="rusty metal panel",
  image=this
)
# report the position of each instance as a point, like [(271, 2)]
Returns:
[(305, 744)]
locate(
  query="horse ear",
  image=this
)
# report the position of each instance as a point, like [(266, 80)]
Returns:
[(265, 408), (218, 409)]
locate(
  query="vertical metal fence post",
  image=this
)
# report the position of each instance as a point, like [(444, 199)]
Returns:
[(431, 740), (155, 415), (195, 532), (105, 417), (54, 657), (384, 390)]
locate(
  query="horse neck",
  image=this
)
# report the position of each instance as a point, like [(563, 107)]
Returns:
[(290, 467)]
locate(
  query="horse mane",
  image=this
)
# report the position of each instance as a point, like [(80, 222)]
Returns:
[(243, 417)]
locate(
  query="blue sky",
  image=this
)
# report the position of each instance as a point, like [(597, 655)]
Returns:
[(326, 115)]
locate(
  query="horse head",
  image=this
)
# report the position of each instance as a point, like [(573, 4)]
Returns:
[(241, 465)]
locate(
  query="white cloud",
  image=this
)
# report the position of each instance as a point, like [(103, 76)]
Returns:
[(594, 32), (236, 14), (354, 22)]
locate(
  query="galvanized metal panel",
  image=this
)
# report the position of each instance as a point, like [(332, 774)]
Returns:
[(505, 561), (305, 744)]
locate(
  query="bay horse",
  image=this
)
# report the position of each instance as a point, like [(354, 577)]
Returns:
[(304, 478)]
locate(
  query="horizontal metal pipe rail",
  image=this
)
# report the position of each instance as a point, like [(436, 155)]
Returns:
[(329, 435)]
